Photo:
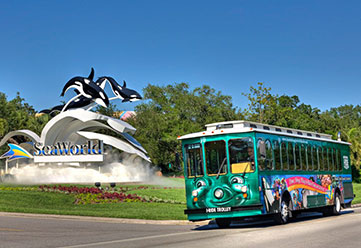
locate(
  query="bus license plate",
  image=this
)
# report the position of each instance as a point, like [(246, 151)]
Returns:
[(218, 210)]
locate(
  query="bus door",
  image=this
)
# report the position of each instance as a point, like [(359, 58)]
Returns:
[(243, 179)]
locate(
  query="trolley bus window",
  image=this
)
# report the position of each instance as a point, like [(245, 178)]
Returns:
[(241, 155), (333, 159), (216, 159), (264, 155), (329, 159), (277, 153), (291, 160), (298, 157), (194, 160), (284, 156), (309, 158), (340, 164), (303, 157), (324, 159), (338, 160), (319, 160)]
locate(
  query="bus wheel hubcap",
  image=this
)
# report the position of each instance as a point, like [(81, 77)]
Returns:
[(338, 204), (284, 211)]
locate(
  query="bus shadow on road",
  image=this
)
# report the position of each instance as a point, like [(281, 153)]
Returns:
[(264, 222)]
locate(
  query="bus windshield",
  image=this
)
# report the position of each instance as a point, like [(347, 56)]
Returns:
[(241, 155), (216, 159), (194, 160)]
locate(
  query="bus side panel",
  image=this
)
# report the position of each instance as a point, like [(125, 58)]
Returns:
[(306, 191)]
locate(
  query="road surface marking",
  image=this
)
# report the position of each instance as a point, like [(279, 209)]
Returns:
[(128, 240)]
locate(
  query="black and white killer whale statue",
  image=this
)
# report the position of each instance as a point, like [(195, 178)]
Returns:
[(90, 93), (87, 88), (121, 92)]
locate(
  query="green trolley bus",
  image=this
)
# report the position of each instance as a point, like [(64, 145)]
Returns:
[(239, 169)]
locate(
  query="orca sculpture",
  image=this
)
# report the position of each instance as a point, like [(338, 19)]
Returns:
[(87, 88), (122, 92), (77, 103), (89, 92)]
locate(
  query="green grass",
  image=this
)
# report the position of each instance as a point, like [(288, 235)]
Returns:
[(357, 192), (57, 203), (165, 194)]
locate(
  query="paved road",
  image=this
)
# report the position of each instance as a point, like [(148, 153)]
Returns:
[(309, 230)]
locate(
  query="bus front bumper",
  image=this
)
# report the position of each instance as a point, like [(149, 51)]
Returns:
[(223, 212)]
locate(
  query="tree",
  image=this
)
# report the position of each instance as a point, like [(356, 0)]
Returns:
[(17, 114), (174, 110), (109, 111), (259, 99)]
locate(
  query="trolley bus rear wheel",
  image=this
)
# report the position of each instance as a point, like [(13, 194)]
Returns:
[(336, 208), (223, 222), (283, 216)]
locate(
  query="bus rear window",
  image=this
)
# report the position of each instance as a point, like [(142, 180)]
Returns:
[(194, 160), (216, 159)]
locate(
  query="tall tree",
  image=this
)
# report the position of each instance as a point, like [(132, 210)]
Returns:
[(259, 99), (173, 110)]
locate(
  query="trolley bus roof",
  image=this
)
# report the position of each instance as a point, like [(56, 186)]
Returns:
[(228, 127)]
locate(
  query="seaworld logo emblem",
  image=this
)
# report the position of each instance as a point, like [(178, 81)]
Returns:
[(16, 152), (67, 148)]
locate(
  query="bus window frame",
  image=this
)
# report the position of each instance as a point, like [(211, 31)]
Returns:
[(226, 156), (201, 159), (291, 167), (284, 148), (319, 154), (277, 144), (309, 158), (253, 166)]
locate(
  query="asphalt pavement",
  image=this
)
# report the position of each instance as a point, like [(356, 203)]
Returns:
[(308, 230)]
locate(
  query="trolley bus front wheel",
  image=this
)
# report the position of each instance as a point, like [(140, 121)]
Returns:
[(283, 216), (223, 222)]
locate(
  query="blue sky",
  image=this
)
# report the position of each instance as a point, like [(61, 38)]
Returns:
[(307, 48)]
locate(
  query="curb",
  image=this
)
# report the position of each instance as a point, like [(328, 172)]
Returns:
[(103, 219), (356, 205)]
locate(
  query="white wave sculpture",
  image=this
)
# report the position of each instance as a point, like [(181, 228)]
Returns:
[(76, 124)]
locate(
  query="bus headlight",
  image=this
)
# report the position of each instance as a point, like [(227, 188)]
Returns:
[(237, 180), (244, 189), (195, 192), (218, 193), (200, 183)]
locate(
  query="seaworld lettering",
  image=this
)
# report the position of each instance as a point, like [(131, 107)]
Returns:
[(67, 148)]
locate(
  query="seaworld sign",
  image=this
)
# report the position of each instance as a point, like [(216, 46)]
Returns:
[(68, 152), (71, 133)]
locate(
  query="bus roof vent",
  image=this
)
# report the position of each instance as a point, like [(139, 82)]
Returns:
[(222, 126), (245, 126)]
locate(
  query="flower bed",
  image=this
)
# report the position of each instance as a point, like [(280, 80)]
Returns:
[(92, 195)]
